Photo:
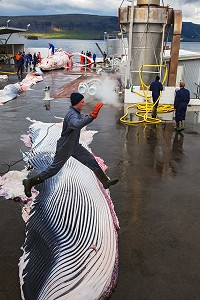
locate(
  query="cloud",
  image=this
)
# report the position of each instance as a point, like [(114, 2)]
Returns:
[(50, 7), (191, 1), (190, 8)]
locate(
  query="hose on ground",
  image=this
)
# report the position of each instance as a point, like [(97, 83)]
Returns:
[(145, 108)]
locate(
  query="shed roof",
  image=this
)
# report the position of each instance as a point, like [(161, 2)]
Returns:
[(9, 30)]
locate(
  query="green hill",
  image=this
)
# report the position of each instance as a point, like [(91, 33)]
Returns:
[(81, 26)]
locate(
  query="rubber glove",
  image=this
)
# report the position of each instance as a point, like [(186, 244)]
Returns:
[(96, 110)]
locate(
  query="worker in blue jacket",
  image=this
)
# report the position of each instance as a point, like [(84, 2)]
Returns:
[(52, 47), (156, 87), (182, 98), (68, 145)]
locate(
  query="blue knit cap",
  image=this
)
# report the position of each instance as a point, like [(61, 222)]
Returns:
[(76, 98)]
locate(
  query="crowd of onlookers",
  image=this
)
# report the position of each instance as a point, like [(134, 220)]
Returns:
[(24, 61)]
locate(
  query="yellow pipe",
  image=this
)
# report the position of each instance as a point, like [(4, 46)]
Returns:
[(13, 73)]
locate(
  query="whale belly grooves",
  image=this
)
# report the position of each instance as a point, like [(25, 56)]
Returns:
[(71, 245)]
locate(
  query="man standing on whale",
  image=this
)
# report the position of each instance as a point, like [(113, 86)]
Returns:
[(68, 145), (52, 47)]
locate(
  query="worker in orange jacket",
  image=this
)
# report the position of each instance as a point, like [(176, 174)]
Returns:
[(17, 57)]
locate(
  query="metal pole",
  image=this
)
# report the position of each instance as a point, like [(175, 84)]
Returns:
[(162, 47), (99, 48), (128, 69)]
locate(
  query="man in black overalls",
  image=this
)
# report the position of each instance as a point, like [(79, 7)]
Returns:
[(182, 98), (156, 87)]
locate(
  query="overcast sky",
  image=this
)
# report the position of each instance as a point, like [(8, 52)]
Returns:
[(190, 8)]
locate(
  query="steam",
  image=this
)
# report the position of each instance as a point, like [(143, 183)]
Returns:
[(107, 91)]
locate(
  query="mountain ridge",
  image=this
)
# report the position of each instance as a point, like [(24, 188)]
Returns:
[(81, 26)]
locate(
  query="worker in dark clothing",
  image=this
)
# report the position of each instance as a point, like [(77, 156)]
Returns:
[(34, 60), (156, 87), (94, 56), (68, 145), (26, 59), (52, 47), (104, 56), (182, 98), (30, 58), (20, 66)]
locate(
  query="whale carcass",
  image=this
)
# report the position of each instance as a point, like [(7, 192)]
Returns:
[(71, 245), (11, 91), (60, 59)]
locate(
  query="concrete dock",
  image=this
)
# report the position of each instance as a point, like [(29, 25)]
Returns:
[(157, 199)]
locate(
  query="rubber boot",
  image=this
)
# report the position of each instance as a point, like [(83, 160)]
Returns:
[(29, 183), (104, 179), (178, 128), (154, 112), (182, 125)]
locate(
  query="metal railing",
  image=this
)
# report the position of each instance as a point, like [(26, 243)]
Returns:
[(197, 94)]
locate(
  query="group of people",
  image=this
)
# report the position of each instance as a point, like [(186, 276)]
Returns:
[(25, 60), (86, 57), (84, 60), (181, 100)]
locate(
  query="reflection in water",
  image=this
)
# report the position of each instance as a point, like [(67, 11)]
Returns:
[(149, 158), (177, 146), (148, 152), (152, 137), (165, 152), (177, 151)]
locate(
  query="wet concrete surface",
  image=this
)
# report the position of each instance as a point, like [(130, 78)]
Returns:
[(157, 200)]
